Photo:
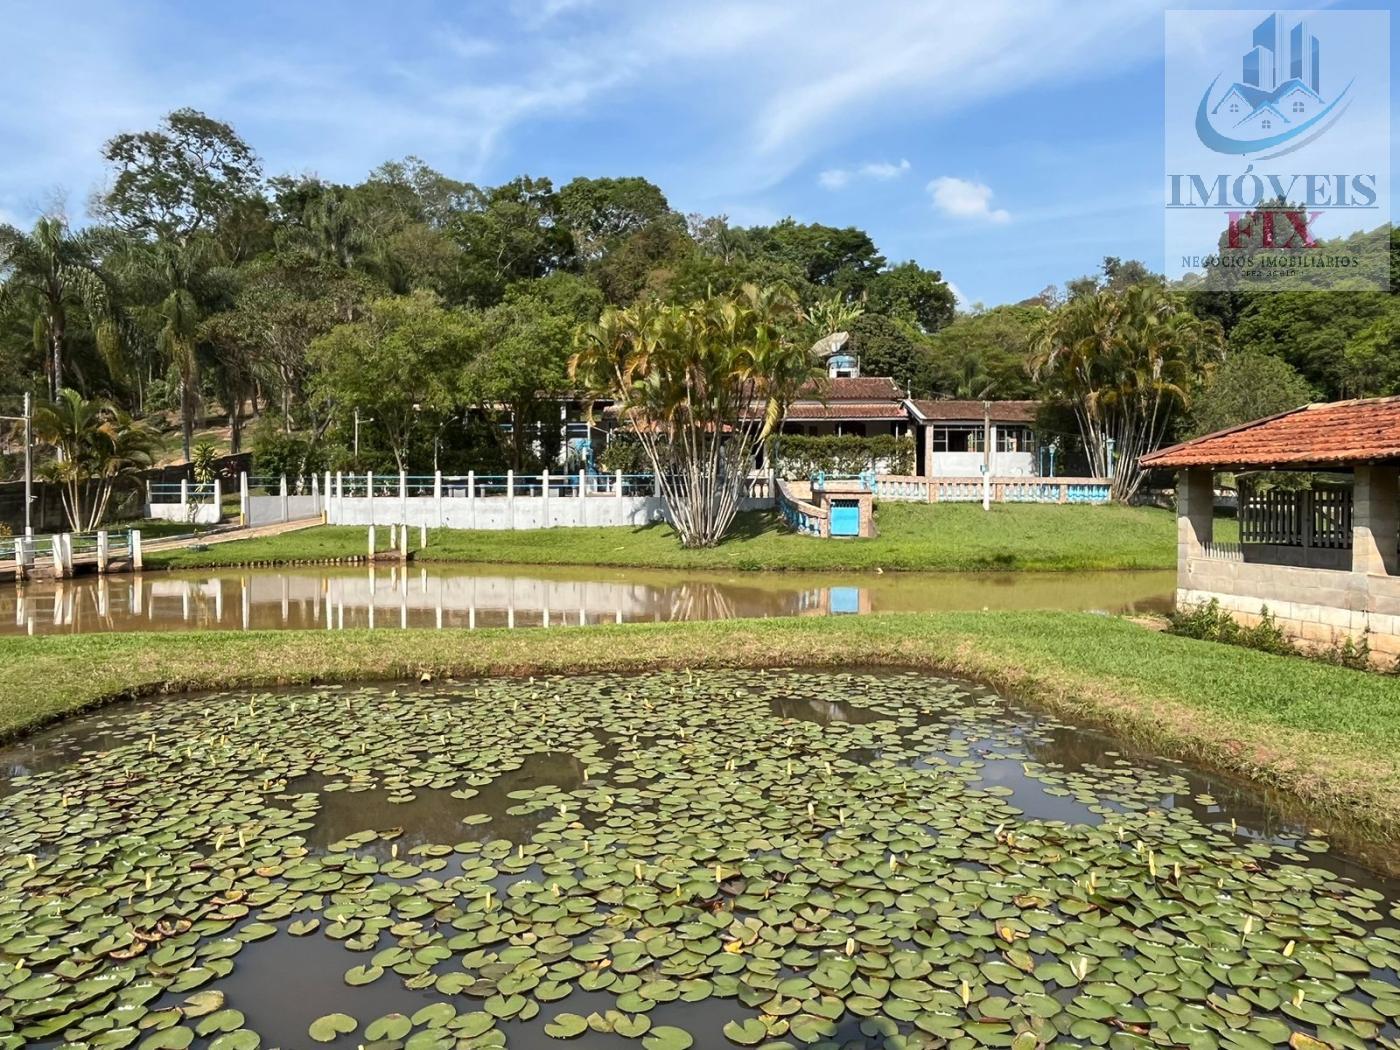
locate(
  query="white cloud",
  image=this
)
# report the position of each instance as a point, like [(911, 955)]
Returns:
[(880, 171), (964, 199)]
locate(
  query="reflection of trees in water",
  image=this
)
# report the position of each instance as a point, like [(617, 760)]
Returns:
[(699, 601)]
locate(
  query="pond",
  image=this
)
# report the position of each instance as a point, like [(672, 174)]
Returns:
[(471, 596), (713, 859)]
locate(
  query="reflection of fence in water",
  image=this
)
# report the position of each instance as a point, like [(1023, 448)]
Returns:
[(399, 598)]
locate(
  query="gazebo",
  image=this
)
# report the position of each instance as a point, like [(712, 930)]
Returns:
[(1324, 560)]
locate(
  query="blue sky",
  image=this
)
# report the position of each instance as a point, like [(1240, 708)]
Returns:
[(1009, 143)]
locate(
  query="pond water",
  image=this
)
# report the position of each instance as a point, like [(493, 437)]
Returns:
[(887, 860), (393, 597)]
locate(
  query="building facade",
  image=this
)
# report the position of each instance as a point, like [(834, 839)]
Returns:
[(1324, 561)]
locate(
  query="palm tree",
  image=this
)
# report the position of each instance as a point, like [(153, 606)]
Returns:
[(97, 446), (1124, 362), (702, 386), (57, 271)]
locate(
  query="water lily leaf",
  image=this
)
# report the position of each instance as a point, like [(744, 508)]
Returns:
[(566, 1026), (749, 1032), (667, 1037), (331, 1027)]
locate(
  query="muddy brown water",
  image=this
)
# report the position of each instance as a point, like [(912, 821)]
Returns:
[(475, 596), (284, 983)]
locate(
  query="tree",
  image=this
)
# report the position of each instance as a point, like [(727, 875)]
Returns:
[(1312, 331), (701, 386), (984, 355), (524, 347), (508, 234), (888, 348), (1247, 386), (1124, 362), (911, 294), (844, 258), (97, 446), (395, 365), (179, 179), (1371, 362), (55, 271), (600, 212)]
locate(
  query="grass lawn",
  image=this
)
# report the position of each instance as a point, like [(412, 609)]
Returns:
[(1327, 735), (914, 537)]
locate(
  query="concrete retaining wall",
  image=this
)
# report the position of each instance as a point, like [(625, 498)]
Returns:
[(497, 512), (1313, 605)]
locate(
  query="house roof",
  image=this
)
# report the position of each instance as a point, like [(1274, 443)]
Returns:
[(973, 411), (800, 410), (858, 388), (1339, 433)]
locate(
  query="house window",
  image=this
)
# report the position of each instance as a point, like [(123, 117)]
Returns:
[(1266, 123), (1298, 107), (957, 439), (1014, 439), (1234, 107)]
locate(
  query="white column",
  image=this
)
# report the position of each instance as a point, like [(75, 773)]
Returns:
[(544, 500), (369, 492), (282, 495), (471, 499), (135, 544), (184, 496), (437, 497), (243, 498), (102, 550), (338, 507), (218, 500), (510, 499), (617, 484), (403, 498), (583, 497), (371, 543)]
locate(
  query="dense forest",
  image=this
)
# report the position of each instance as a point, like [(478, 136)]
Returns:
[(274, 311)]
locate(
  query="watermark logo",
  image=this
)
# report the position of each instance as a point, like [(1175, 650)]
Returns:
[(1276, 106), (1267, 186)]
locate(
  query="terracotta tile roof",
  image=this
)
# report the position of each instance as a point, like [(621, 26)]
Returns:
[(971, 411), (847, 410), (1336, 434), (861, 388)]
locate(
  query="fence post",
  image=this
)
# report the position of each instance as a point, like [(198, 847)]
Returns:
[(218, 500), (63, 554), (102, 551), (403, 542), (134, 545), (369, 492), (656, 484), (437, 498), (243, 498), (510, 499), (403, 499), (617, 484), (24, 557), (471, 499), (371, 542), (422, 535), (149, 499), (338, 506), (282, 495), (544, 500), (185, 499)]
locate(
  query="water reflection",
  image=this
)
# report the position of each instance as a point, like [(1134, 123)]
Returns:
[(466, 596)]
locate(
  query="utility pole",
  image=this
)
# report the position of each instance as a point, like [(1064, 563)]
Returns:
[(28, 465)]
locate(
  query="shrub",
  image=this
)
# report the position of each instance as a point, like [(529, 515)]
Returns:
[(1349, 652), (800, 456), (1210, 623), (624, 453), (275, 452)]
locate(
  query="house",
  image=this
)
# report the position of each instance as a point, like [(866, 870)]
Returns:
[(1325, 562), (960, 438)]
